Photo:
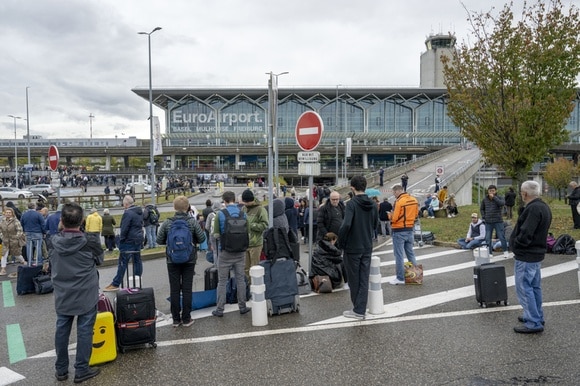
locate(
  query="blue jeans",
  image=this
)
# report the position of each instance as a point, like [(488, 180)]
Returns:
[(126, 253), (469, 245), (151, 233), (85, 324), (498, 226), (180, 285), (34, 240), (403, 245), (358, 268), (528, 282)]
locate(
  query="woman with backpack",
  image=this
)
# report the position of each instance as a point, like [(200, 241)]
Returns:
[(180, 234)]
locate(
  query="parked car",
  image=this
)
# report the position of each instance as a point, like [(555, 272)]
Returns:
[(41, 188), (10, 193), (146, 187)]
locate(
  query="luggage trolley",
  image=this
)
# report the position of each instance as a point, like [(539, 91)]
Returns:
[(420, 237)]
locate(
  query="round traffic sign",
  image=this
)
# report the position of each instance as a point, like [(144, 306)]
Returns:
[(53, 157), (309, 129), (439, 170)]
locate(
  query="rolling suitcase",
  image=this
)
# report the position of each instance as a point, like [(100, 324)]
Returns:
[(104, 342), (490, 284), (281, 286), (25, 279), (210, 276), (136, 315)]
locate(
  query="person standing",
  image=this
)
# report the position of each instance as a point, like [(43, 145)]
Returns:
[(33, 225), (109, 230), (74, 257), (181, 274), (151, 222), (528, 243), (381, 176), (12, 234), (94, 223), (130, 242), (574, 200), (437, 182), (385, 208), (510, 202), (355, 238), (405, 211), (330, 216), (257, 223), (490, 209), (475, 234), (291, 213), (228, 260), (404, 181)]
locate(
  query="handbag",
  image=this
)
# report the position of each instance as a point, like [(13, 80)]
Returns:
[(42, 283), (413, 273), (322, 284), (303, 281)]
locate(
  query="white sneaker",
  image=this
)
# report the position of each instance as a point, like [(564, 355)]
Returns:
[(345, 286), (396, 281), (448, 216), (353, 315)]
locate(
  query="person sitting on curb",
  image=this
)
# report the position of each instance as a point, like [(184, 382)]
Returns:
[(425, 207), (451, 206), (433, 207), (475, 235)]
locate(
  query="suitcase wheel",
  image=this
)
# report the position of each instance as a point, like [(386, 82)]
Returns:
[(153, 345), (269, 307), (297, 303), (483, 305), (420, 243)]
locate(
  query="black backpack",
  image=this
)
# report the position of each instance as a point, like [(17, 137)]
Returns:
[(153, 216), (277, 244), (235, 237), (564, 245)]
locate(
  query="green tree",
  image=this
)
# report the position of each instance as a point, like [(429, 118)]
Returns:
[(559, 173), (511, 92)]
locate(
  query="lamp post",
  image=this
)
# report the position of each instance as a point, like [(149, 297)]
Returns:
[(273, 107), (15, 151), (152, 157), (91, 116), (336, 133), (27, 127)]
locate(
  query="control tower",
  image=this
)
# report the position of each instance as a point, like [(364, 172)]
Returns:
[(431, 66)]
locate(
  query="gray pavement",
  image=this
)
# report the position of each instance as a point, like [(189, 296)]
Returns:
[(434, 334)]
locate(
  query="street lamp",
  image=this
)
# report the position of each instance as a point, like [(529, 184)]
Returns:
[(273, 105), (152, 159), (27, 127), (336, 133), (91, 116), (15, 151)]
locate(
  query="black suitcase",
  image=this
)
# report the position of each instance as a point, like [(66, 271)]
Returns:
[(25, 279), (281, 286), (136, 316), (210, 277), (490, 284)]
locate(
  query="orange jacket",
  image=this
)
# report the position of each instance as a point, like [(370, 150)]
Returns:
[(405, 211)]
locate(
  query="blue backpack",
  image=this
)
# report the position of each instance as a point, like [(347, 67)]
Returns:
[(179, 242)]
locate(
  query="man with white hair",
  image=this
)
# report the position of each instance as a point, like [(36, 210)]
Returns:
[(528, 243)]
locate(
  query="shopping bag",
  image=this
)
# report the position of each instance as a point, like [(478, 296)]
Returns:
[(413, 273)]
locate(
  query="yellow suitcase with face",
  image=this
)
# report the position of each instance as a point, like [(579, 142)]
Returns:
[(104, 340)]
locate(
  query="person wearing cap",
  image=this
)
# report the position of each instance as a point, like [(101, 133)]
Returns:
[(257, 224), (475, 235), (94, 223)]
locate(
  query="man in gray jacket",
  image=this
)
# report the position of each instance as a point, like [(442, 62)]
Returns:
[(490, 208), (74, 258)]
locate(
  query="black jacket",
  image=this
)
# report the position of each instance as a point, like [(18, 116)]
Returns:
[(361, 219), (329, 219), (325, 261), (528, 239)]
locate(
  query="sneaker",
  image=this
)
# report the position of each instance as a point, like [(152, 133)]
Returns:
[(218, 313), (396, 281), (353, 315), (2, 272), (448, 216), (21, 260), (245, 310), (188, 324), (91, 372), (176, 323), (110, 288), (61, 377), (345, 286)]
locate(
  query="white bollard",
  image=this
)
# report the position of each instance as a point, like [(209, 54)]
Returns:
[(258, 290), (578, 261), (375, 303)]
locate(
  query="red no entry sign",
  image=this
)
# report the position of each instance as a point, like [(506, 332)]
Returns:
[(309, 130), (53, 158)]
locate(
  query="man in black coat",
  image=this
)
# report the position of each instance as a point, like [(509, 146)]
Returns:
[(330, 216), (385, 208), (573, 200)]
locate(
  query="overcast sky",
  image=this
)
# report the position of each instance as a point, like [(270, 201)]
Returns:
[(82, 57)]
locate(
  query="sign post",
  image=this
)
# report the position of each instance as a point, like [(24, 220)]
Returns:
[(53, 158), (309, 129)]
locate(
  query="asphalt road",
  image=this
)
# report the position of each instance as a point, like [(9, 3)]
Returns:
[(434, 334)]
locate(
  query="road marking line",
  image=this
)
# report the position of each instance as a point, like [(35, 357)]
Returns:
[(8, 376), (7, 294), (16, 348)]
